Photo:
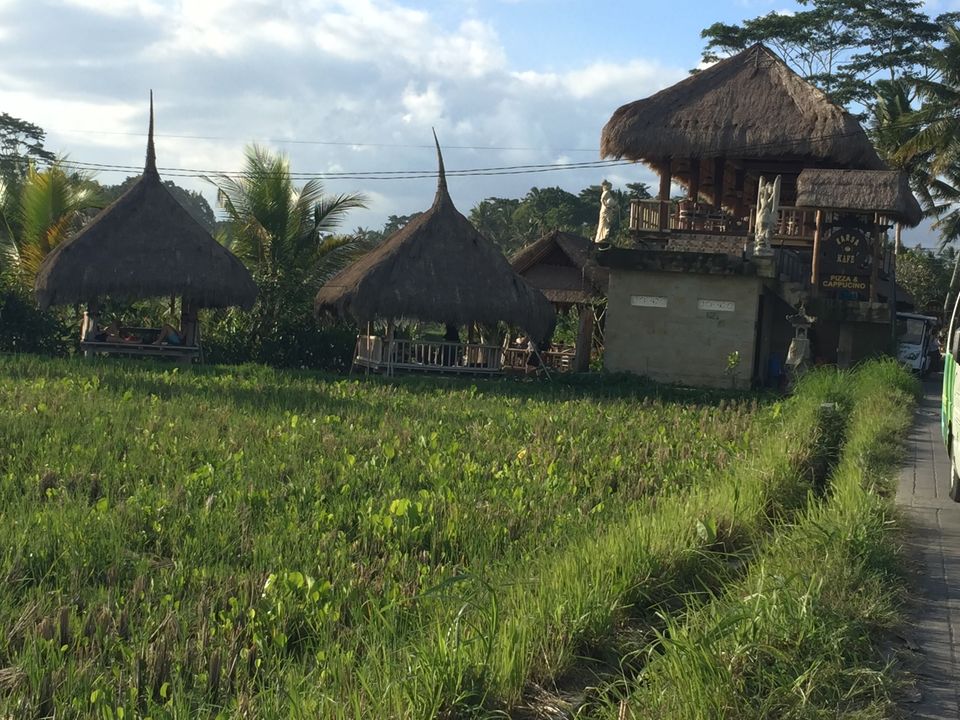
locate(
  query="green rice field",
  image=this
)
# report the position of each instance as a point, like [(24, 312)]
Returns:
[(244, 542)]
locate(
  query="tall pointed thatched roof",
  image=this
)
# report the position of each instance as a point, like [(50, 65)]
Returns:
[(437, 268), (882, 191), (750, 105), (144, 245)]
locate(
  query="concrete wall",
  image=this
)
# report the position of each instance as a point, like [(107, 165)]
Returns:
[(681, 342)]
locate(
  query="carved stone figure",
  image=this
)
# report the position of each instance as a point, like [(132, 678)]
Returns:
[(608, 206), (768, 207)]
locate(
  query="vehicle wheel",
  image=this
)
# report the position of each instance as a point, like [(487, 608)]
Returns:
[(954, 482)]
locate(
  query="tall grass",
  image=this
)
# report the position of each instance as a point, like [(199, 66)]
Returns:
[(242, 542), (798, 638), (246, 541)]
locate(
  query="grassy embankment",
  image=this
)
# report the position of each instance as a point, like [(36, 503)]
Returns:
[(801, 636), (250, 543)]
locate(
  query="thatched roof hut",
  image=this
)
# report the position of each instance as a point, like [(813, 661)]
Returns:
[(144, 245), (561, 265), (437, 268), (886, 192), (750, 112)]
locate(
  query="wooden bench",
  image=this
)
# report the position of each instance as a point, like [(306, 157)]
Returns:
[(184, 353)]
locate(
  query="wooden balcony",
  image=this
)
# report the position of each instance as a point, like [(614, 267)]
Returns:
[(381, 355), (795, 227)]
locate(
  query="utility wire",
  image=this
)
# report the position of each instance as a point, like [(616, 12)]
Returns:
[(744, 149), (356, 175), (337, 143)]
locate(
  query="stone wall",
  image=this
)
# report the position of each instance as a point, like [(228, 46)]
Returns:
[(682, 327)]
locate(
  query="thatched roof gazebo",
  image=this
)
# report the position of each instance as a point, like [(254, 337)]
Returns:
[(144, 245), (884, 192), (438, 268), (563, 267), (716, 131)]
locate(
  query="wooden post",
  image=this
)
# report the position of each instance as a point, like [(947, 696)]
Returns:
[(695, 179), (90, 324), (877, 259), (739, 182), (188, 322), (389, 347), (815, 263), (581, 360), (664, 195), (718, 171)]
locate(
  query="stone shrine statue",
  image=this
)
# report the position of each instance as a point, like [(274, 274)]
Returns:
[(608, 206), (768, 207)]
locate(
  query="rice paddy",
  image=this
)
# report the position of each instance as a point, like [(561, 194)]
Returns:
[(243, 542)]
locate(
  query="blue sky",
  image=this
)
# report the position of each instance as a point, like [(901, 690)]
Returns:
[(352, 85)]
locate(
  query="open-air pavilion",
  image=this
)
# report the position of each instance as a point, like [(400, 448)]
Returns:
[(436, 269), (144, 245), (717, 132), (563, 267)]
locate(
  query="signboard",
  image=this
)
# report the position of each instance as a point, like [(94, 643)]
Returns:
[(653, 301), (846, 256), (716, 305)]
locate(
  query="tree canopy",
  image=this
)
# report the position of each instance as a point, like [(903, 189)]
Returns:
[(20, 143), (843, 47)]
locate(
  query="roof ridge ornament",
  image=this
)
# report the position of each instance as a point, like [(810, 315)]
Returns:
[(151, 166), (442, 191)]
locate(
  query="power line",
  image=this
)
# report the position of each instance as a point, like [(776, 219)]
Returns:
[(346, 175), (783, 144), (336, 143)]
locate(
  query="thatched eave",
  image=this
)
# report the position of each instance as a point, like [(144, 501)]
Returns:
[(578, 280), (750, 105), (886, 192)]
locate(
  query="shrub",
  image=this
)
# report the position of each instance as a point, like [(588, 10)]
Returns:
[(25, 328)]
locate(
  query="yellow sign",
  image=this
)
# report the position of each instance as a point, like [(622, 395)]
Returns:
[(844, 282)]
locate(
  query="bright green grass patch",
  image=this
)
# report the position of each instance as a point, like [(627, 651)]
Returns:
[(233, 541), (797, 638)]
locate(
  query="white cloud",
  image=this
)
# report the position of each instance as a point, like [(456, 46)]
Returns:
[(638, 77), (422, 108), (340, 85), (145, 8)]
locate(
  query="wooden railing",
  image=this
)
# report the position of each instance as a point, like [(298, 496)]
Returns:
[(376, 353), (559, 359), (794, 225)]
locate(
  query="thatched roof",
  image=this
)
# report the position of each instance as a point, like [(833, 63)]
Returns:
[(750, 105), (437, 268), (883, 191), (561, 265), (144, 245)]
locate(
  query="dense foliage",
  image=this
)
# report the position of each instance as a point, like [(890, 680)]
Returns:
[(926, 276), (842, 47)]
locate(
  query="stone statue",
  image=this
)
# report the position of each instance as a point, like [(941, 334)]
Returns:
[(608, 206), (768, 207)]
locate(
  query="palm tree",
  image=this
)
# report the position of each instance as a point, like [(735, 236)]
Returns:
[(945, 207), (938, 119), (37, 215), (926, 142), (279, 230)]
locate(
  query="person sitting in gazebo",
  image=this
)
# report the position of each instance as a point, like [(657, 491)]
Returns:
[(169, 335)]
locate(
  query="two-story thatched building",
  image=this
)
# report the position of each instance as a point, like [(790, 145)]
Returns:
[(701, 307)]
